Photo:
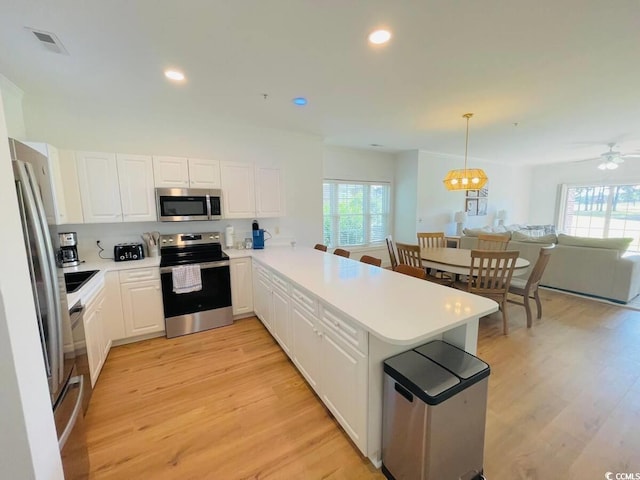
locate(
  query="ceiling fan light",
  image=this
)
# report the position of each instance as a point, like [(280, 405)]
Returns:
[(612, 165)]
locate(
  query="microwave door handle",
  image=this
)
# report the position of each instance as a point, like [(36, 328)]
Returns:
[(208, 197), (32, 273)]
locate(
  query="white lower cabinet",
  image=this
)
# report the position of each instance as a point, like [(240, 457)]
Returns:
[(262, 295), (241, 285), (329, 349), (281, 319), (141, 301), (96, 334), (344, 385), (307, 345)]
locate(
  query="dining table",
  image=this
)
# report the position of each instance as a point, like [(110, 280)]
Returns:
[(458, 260)]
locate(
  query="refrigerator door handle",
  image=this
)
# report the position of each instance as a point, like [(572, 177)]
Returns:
[(44, 341), (51, 263), (77, 409), (26, 178)]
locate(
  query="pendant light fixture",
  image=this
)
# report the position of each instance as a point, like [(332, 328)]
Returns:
[(467, 178)]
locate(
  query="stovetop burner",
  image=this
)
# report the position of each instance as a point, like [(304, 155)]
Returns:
[(190, 248)]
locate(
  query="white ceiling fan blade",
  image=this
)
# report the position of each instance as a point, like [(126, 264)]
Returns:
[(630, 155)]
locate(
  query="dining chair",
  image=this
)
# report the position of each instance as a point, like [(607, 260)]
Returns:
[(435, 240), (342, 253), (411, 255), (412, 271), (392, 252), (490, 276), (431, 240), (321, 247), (492, 242), (371, 260), (525, 288)]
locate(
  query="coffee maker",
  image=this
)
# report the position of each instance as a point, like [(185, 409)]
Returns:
[(68, 253)]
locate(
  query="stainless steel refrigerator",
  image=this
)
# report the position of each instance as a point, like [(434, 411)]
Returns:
[(33, 188)]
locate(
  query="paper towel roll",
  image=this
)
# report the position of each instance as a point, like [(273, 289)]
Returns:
[(228, 236)]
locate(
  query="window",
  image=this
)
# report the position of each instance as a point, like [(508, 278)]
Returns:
[(355, 213), (601, 211)]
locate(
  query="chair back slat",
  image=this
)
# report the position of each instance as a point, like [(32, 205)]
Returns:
[(392, 252), (491, 271), (409, 254), (412, 271), (431, 240), (492, 242), (371, 260), (342, 252)]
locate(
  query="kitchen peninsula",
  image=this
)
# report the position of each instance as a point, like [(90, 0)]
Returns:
[(338, 319)]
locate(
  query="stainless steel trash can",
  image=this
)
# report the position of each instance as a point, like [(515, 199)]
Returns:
[(434, 412)]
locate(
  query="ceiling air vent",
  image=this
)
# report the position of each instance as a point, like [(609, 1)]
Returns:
[(49, 41)]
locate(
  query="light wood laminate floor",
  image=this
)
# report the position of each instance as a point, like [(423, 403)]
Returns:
[(564, 403)]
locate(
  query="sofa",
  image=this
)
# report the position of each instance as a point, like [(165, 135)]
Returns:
[(589, 266)]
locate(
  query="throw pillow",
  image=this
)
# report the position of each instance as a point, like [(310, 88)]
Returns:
[(525, 237), (474, 232), (611, 243)]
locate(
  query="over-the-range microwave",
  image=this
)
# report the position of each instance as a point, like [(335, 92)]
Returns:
[(188, 204)]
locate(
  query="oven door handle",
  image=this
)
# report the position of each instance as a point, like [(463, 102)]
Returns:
[(203, 266)]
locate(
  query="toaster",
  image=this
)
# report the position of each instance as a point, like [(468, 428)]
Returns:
[(128, 251)]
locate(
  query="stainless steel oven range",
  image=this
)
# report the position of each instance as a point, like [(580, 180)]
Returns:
[(203, 307)]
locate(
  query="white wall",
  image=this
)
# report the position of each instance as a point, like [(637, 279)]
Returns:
[(28, 442), (12, 99), (111, 129), (406, 196), (424, 204), (548, 178), (342, 163)]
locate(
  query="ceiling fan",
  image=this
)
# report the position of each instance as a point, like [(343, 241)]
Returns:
[(611, 159)]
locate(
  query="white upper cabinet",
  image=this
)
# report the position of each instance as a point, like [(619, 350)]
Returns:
[(135, 175), (268, 192), (204, 173), (71, 186), (181, 172), (171, 172), (99, 189), (238, 190), (250, 191)]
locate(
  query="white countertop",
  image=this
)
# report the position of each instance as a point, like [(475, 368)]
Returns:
[(103, 266), (396, 308)]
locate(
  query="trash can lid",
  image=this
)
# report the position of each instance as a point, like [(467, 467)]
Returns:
[(423, 377), (457, 361)]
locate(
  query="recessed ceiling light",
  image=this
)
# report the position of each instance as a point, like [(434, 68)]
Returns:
[(300, 101), (174, 75), (379, 37)]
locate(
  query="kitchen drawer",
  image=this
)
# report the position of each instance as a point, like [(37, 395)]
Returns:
[(345, 329), (280, 283), (306, 301), (262, 271), (137, 274)]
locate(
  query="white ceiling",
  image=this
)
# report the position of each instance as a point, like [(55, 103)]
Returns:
[(567, 72)]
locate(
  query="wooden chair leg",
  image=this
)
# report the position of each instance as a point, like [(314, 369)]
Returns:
[(527, 308), (505, 317), (538, 303)]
